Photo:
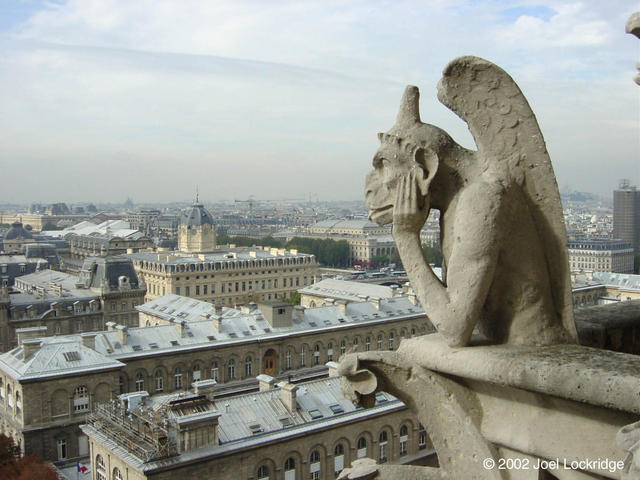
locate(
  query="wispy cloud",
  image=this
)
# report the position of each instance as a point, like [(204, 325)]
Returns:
[(270, 97)]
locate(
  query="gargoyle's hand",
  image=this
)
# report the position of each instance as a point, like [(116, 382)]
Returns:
[(411, 207)]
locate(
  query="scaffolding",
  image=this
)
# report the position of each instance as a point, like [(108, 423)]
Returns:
[(144, 433)]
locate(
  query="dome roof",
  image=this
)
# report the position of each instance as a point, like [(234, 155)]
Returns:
[(17, 231), (197, 216)]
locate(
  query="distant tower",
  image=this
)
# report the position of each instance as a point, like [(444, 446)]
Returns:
[(196, 233), (626, 214)]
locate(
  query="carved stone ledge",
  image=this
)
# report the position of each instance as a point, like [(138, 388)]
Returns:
[(477, 403)]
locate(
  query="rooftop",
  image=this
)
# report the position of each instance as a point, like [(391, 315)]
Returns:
[(199, 332), (346, 290)]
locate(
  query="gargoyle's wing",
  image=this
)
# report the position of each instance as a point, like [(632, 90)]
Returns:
[(509, 140)]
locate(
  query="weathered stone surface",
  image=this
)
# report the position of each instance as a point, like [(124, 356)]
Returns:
[(502, 231), (633, 27), (629, 441), (590, 375)]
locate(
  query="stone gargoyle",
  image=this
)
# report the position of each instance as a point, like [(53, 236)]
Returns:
[(502, 230)]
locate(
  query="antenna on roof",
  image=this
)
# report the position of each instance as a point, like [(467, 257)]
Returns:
[(197, 194)]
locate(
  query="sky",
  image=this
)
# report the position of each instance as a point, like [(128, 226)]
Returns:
[(101, 100)]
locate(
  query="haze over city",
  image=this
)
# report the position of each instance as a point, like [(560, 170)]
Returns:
[(101, 100)]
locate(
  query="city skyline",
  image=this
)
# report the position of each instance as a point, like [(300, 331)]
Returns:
[(105, 100)]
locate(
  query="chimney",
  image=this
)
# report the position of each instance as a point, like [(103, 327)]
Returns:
[(218, 309), (333, 369), (122, 334), (204, 387), (180, 327), (217, 322), (89, 340), (29, 333), (363, 298), (412, 297), (57, 307), (30, 346), (265, 382), (375, 301), (328, 302), (288, 396), (110, 326), (299, 311), (397, 292), (342, 306)]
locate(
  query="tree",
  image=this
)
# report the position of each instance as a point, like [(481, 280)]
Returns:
[(433, 254), (294, 299), (328, 252), (381, 260), (29, 467)]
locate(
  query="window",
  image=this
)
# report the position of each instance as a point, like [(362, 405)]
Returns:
[(139, 382), (159, 381), (290, 469), (287, 360), (383, 447), (390, 340), (101, 473), (362, 447), (117, 474), (214, 370), (177, 378), (195, 372), (422, 438), (343, 347), (355, 343), (338, 459), (329, 352), (404, 441), (314, 465), (80, 399), (62, 448), (177, 290), (379, 341), (316, 355), (248, 367), (231, 369), (367, 344), (263, 473), (303, 355), (121, 388)]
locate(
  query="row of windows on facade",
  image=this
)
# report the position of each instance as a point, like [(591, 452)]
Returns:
[(228, 265), (233, 287), (263, 472), (180, 378)]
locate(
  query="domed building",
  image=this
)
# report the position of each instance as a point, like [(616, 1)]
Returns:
[(16, 237), (196, 233)]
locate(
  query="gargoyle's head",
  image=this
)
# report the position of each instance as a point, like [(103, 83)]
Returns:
[(409, 144)]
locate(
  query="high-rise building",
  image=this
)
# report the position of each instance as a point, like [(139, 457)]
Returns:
[(626, 214)]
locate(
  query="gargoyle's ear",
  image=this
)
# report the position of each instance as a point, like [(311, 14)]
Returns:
[(428, 160)]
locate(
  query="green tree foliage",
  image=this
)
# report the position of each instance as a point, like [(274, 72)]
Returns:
[(381, 260), (294, 299), (328, 252), (334, 253), (433, 254), (242, 241), (15, 467)]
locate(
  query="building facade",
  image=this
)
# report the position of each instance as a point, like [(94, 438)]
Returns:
[(626, 215), (601, 255), (48, 380), (290, 432), (196, 233), (228, 277), (107, 290)]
